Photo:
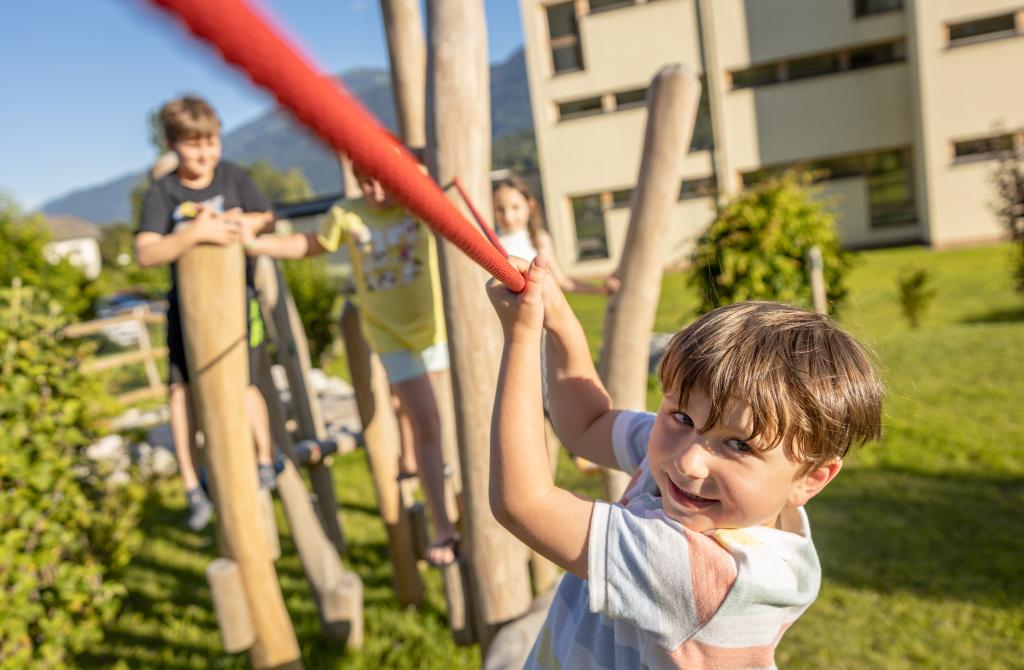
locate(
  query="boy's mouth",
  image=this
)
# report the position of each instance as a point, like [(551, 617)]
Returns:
[(688, 500)]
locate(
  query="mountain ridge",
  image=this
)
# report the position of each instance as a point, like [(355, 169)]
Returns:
[(276, 138)]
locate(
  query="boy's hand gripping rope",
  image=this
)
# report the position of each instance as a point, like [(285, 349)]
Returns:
[(248, 40)]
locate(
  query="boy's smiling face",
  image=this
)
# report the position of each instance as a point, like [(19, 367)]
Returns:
[(198, 157), (715, 477)]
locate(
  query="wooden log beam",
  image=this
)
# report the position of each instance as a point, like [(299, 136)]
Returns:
[(672, 109), (458, 145), (229, 604), (293, 353), (407, 53), (381, 435), (212, 298), (319, 559)]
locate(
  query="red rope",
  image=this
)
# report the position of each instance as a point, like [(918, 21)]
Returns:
[(487, 230), (248, 40)]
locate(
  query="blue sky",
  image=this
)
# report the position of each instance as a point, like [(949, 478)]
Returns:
[(80, 77)]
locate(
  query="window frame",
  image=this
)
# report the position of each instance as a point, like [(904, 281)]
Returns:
[(1016, 17)]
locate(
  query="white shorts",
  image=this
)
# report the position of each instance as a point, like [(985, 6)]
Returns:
[(403, 365)]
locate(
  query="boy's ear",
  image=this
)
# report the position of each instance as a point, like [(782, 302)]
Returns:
[(810, 484)]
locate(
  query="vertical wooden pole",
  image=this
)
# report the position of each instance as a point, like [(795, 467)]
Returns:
[(381, 436), (213, 312), (458, 145), (816, 268), (407, 52), (293, 354), (672, 109)]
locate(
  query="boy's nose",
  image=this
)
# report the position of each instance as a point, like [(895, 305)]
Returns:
[(692, 462)]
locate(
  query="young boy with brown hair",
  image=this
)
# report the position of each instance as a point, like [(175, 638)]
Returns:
[(204, 201), (707, 559)]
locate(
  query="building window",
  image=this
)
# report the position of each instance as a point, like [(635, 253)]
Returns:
[(983, 148), (591, 236), (869, 7), (889, 179), (578, 108), (878, 54), (813, 66), (566, 55), (634, 98), (759, 75), (600, 5), (854, 58), (691, 189), (979, 30), (622, 198)]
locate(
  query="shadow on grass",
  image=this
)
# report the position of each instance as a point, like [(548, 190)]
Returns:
[(1012, 315), (943, 537)]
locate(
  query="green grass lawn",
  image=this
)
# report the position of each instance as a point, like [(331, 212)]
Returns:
[(921, 536)]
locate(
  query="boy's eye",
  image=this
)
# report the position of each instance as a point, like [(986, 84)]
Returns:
[(682, 418), (740, 446)]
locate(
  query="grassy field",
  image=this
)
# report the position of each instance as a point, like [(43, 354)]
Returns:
[(921, 537)]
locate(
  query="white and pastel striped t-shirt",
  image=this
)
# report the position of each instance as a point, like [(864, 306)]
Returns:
[(662, 596)]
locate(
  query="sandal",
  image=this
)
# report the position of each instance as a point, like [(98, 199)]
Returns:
[(452, 543)]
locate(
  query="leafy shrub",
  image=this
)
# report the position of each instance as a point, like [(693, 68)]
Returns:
[(1008, 180), (757, 247), (23, 239), (318, 299), (915, 294), (65, 530)]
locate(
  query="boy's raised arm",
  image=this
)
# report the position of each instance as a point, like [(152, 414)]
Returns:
[(578, 403), (523, 494)]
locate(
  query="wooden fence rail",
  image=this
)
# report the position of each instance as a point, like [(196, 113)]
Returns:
[(146, 354)]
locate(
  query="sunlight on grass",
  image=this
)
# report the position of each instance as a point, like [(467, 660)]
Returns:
[(920, 536)]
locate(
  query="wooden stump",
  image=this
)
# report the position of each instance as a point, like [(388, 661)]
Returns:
[(229, 604)]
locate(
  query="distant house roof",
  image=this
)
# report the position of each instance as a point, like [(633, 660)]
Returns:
[(67, 227)]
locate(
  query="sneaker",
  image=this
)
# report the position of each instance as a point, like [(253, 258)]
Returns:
[(200, 509), (267, 475)]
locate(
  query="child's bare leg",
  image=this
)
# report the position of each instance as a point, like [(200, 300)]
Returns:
[(259, 425), (418, 404), (182, 433), (407, 457)]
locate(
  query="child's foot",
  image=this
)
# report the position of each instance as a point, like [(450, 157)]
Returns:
[(268, 476), (200, 509), (444, 551)]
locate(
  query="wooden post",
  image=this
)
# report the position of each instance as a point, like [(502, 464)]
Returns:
[(672, 109), (339, 618), (293, 354), (229, 604), (458, 145), (816, 268), (266, 502), (380, 433), (408, 55), (210, 283)]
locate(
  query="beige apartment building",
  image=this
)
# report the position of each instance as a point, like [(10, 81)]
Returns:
[(903, 104)]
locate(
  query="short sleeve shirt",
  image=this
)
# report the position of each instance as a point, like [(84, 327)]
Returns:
[(661, 596), (168, 203)]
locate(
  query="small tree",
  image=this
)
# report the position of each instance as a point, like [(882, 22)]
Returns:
[(1008, 180), (756, 248), (915, 294)]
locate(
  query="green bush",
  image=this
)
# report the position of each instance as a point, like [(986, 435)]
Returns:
[(757, 247), (1008, 180), (65, 531), (318, 299), (915, 293), (23, 238)]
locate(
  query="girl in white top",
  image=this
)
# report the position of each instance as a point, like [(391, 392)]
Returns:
[(520, 227)]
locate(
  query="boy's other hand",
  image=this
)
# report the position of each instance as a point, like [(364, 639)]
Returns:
[(522, 312), (213, 228)]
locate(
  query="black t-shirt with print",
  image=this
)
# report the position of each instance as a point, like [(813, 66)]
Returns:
[(168, 203)]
